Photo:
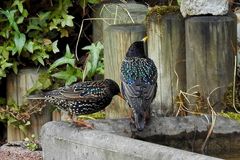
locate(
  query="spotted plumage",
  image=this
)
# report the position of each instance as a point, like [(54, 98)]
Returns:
[(138, 83), (83, 97)]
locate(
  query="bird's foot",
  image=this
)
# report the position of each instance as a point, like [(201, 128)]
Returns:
[(82, 123), (133, 127)]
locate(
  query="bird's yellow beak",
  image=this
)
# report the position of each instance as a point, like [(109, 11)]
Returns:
[(120, 95), (145, 39)]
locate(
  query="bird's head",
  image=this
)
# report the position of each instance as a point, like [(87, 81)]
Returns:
[(137, 49), (114, 87)]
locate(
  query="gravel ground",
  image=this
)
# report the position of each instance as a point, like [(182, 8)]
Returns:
[(17, 151)]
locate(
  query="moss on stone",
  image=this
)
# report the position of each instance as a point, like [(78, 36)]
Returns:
[(159, 11), (231, 115), (228, 99)]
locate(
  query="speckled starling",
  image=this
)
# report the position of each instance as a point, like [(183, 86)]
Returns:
[(138, 83), (83, 97)]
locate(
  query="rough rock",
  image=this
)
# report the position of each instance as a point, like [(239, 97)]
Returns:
[(16, 151), (203, 7)]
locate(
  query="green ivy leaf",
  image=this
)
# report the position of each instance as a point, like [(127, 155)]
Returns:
[(54, 47), (100, 70), (33, 25), (43, 82), (54, 23), (68, 53), (10, 17), (39, 55), (95, 50), (29, 46), (11, 120), (67, 59), (40, 60), (23, 128), (24, 13), (2, 73), (79, 73), (64, 33), (67, 21), (19, 40), (19, 4), (62, 61), (15, 67), (20, 20), (5, 52), (71, 80), (5, 64), (87, 69), (68, 75), (44, 15), (5, 32)]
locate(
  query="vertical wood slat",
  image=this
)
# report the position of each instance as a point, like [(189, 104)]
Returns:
[(122, 12), (56, 115), (166, 47), (117, 39), (211, 43), (17, 86)]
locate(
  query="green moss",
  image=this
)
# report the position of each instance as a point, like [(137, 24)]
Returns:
[(231, 115), (228, 99), (159, 11), (97, 115)]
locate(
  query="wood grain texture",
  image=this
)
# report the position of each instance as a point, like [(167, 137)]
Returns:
[(17, 86), (166, 47), (211, 42), (56, 115), (117, 39), (121, 14)]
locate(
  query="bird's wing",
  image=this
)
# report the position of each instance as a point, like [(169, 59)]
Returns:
[(84, 90), (139, 81), (140, 95)]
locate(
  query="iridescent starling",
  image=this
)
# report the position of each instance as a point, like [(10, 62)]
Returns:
[(138, 76), (83, 97)]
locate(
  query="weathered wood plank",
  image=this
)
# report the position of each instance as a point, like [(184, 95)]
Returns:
[(166, 46), (17, 86), (56, 115), (211, 43), (117, 39)]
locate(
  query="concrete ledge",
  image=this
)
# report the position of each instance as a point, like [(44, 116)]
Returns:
[(169, 126), (63, 141), (187, 133)]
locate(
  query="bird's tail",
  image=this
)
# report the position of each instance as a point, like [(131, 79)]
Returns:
[(36, 96)]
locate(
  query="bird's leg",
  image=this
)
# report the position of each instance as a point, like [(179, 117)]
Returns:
[(147, 115), (70, 117), (82, 123), (78, 122), (131, 117), (132, 122)]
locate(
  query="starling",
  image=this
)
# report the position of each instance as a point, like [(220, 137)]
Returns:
[(138, 83), (83, 97)]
